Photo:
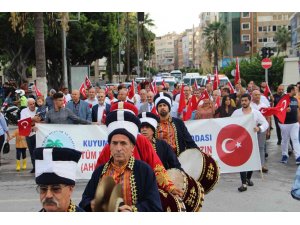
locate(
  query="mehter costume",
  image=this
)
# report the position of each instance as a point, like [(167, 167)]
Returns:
[(57, 166), (143, 150), (173, 130), (163, 150), (138, 181)]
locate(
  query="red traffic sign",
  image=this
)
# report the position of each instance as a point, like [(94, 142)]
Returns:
[(266, 63)]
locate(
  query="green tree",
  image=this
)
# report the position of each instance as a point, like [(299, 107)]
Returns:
[(251, 69), (282, 37), (215, 41)]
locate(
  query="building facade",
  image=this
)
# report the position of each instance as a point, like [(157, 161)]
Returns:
[(165, 52)]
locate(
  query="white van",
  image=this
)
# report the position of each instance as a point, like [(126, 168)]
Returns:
[(177, 74), (189, 78), (222, 78)]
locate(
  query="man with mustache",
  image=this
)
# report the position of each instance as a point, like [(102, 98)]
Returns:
[(171, 129), (137, 179), (55, 173)]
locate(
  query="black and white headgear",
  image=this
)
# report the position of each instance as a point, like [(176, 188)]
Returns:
[(148, 118), (122, 122), (163, 98), (56, 165)]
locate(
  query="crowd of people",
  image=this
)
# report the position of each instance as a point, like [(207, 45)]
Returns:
[(146, 134)]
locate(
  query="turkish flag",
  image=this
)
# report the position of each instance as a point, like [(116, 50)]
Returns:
[(282, 105), (82, 90), (37, 91), (88, 83), (192, 106), (237, 72), (154, 111), (195, 85), (103, 120), (181, 101), (25, 126), (218, 102), (203, 96), (216, 80), (230, 87), (131, 90), (267, 91), (280, 110), (208, 79), (163, 83)]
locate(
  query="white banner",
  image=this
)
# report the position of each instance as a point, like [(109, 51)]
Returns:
[(89, 139), (231, 141)]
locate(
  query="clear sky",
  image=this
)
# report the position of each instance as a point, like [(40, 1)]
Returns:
[(176, 21)]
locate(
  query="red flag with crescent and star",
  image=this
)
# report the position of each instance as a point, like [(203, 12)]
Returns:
[(203, 96), (87, 81), (192, 106), (131, 91), (182, 104), (38, 93), (216, 80), (230, 87), (280, 110), (237, 77), (267, 91), (24, 126), (82, 90)]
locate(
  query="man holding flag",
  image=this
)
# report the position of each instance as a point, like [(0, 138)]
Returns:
[(290, 127)]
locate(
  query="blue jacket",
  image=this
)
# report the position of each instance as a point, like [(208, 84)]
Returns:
[(95, 111), (84, 109)]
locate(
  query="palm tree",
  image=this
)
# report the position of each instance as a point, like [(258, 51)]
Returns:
[(215, 43), (146, 37), (282, 37), (40, 56)]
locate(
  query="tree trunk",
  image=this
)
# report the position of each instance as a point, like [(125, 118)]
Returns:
[(40, 55)]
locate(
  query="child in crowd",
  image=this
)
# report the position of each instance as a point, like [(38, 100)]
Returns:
[(41, 108), (21, 147)]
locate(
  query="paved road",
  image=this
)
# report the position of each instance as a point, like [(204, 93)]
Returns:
[(272, 193)]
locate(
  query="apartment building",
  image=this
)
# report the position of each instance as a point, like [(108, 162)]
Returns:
[(165, 51), (295, 34)]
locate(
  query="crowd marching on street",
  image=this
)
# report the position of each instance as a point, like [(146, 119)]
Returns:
[(139, 168)]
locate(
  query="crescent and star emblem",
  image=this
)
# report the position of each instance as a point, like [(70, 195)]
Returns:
[(224, 142)]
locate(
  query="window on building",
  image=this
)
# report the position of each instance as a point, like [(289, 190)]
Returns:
[(274, 28), (279, 17), (274, 17), (245, 14), (260, 40), (274, 39), (245, 26), (245, 37), (265, 39), (265, 28), (260, 29), (247, 48), (289, 27)]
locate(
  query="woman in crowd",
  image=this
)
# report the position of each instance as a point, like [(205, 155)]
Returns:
[(226, 109)]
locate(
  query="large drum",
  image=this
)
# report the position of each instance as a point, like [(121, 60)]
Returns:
[(170, 203), (193, 196), (201, 167)]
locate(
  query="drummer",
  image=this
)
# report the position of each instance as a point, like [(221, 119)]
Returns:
[(144, 151), (171, 129), (167, 156), (139, 187)]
